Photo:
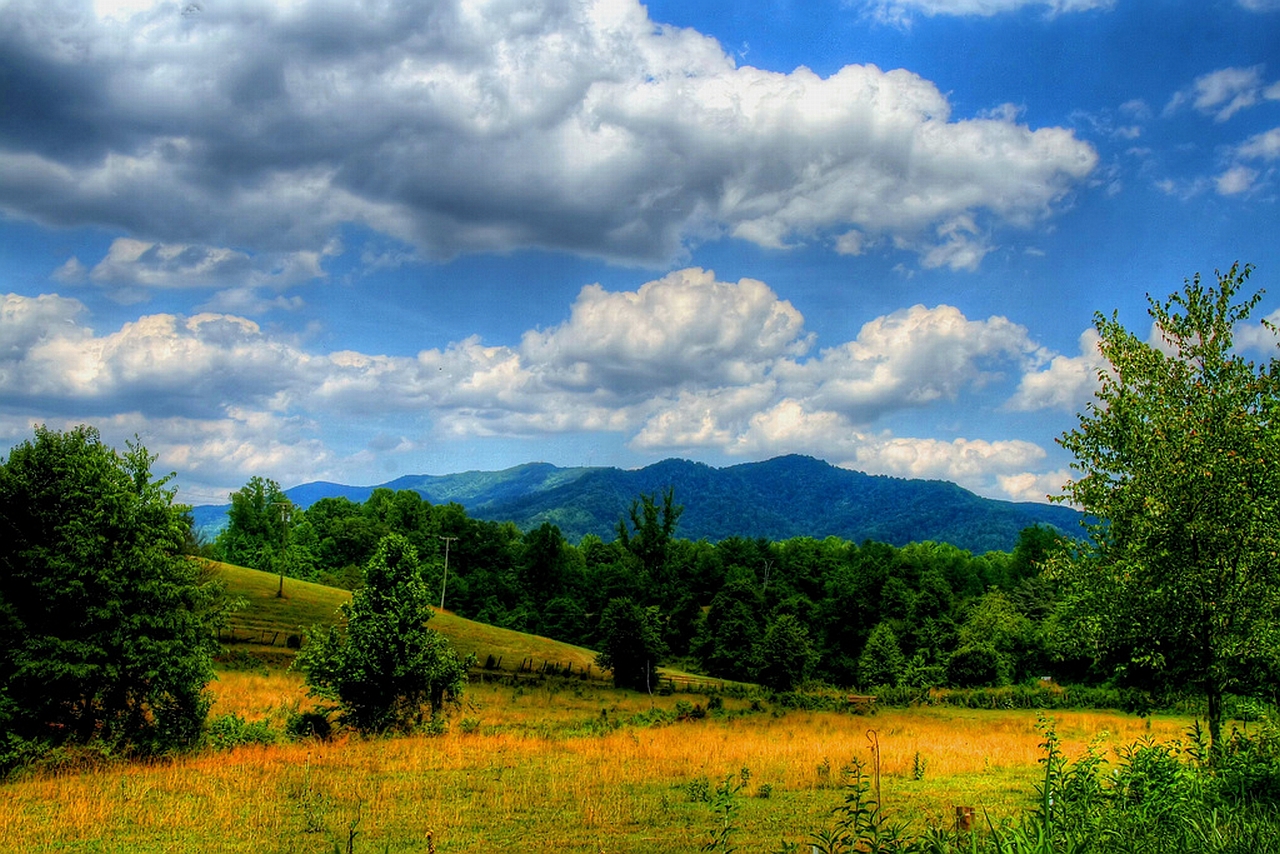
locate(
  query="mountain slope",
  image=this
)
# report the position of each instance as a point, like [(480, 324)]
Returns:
[(777, 499)]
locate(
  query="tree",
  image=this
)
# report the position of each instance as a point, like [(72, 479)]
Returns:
[(1178, 586), (255, 524), (786, 654), (654, 527), (385, 664), (102, 620), (882, 661), (631, 644)]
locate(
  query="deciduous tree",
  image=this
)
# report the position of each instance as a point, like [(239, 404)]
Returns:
[(102, 620), (631, 644), (1178, 460), (385, 665)]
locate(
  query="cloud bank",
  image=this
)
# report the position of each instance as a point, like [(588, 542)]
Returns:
[(683, 364), (242, 135)]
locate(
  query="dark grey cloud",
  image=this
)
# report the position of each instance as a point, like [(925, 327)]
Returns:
[(577, 125)]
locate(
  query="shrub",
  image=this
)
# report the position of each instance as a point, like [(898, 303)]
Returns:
[(314, 724), (231, 730)]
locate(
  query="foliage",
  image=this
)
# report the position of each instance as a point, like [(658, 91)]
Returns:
[(786, 654), (1160, 798), (631, 644), (386, 664), (103, 632), (1179, 587), (881, 662), (256, 524), (652, 528), (974, 666)]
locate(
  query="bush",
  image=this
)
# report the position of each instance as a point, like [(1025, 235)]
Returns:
[(973, 666), (303, 725), (231, 730)]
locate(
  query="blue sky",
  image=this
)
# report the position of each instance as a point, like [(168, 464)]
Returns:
[(319, 240)]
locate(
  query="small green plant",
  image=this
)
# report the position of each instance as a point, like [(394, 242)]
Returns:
[(469, 725), (231, 730), (824, 773), (303, 725), (918, 766), (725, 804), (698, 790)]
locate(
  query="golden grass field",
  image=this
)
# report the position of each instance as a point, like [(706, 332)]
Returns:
[(528, 771)]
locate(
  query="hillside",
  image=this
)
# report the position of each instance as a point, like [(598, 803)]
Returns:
[(777, 499), (267, 620)]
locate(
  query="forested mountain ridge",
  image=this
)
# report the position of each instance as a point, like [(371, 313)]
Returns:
[(777, 499)]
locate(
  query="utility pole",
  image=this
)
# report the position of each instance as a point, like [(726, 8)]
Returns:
[(286, 511), (445, 581)]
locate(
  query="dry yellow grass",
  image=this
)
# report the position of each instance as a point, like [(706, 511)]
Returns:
[(525, 778)]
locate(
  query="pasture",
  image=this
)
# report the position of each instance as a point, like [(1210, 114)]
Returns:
[(560, 765)]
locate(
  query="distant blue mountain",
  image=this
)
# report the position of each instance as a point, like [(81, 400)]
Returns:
[(777, 499)]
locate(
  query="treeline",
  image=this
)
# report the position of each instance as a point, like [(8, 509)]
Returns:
[(865, 615)]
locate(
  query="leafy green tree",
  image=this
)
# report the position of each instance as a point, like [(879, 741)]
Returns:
[(385, 665), (993, 621), (730, 635), (786, 654), (881, 662), (102, 620), (631, 644), (974, 666), (1179, 461), (256, 523), (652, 529), (543, 566)]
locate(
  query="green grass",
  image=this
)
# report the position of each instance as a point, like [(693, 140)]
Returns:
[(266, 617)]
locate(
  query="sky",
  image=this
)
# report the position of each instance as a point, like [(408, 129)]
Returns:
[(348, 241)]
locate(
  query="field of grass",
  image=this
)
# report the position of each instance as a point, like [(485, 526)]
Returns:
[(538, 768), (267, 617)]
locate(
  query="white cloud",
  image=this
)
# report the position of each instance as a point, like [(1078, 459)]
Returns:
[(685, 327), (1031, 486), (1236, 180), (1261, 146), (1066, 383), (911, 358), (682, 362), (1223, 93), (1240, 177), (578, 126), (902, 11)]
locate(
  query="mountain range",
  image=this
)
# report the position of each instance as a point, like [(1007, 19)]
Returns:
[(781, 498)]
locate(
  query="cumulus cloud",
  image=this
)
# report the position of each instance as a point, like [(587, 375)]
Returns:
[(682, 363), (1263, 146), (579, 126), (911, 358), (1030, 486), (683, 327), (1066, 382), (1242, 176)]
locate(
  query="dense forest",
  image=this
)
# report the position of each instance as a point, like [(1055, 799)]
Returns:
[(777, 612)]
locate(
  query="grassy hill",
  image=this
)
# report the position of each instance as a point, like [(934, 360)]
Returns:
[(263, 626)]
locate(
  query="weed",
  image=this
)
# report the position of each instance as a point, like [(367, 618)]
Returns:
[(725, 804), (918, 766)]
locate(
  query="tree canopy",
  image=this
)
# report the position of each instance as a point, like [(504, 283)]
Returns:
[(1178, 586), (102, 632), (385, 664)]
